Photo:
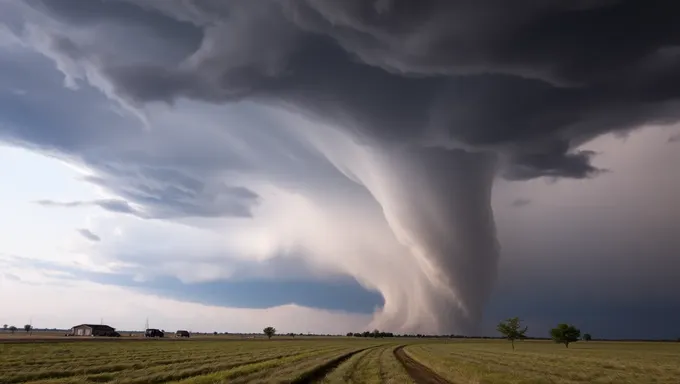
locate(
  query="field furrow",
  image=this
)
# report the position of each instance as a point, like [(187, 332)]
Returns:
[(318, 373), (164, 373), (343, 373), (268, 370)]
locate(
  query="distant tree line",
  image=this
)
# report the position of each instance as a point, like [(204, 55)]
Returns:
[(12, 329), (413, 335), (376, 333)]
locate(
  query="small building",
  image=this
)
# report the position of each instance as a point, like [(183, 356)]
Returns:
[(182, 333), (92, 330)]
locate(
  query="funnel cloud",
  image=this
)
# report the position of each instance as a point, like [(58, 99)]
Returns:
[(421, 104)]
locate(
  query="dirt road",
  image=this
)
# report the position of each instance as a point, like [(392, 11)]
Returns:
[(418, 372)]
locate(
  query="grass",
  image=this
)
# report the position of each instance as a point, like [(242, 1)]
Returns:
[(491, 362), (161, 361), (333, 360)]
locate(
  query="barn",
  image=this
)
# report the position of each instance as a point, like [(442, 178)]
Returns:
[(92, 330)]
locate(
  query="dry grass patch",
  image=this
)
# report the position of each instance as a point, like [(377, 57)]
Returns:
[(491, 362)]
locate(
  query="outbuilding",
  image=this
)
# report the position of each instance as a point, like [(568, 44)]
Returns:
[(93, 330)]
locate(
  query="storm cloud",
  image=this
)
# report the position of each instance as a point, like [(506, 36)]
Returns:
[(421, 103), (541, 78), (520, 202), (86, 233)]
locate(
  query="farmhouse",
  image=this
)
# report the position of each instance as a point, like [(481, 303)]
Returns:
[(92, 330)]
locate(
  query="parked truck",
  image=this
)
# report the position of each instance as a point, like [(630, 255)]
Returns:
[(153, 332)]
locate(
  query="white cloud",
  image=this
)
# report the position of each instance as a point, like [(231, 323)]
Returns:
[(28, 229)]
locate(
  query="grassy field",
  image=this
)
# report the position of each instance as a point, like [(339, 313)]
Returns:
[(334, 360), (547, 362)]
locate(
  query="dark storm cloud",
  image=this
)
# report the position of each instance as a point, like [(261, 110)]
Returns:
[(520, 202), (542, 77), (113, 205), (618, 295), (642, 319), (71, 204), (86, 233), (94, 13), (169, 201), (119, 206), (244, 291), (168, 193)]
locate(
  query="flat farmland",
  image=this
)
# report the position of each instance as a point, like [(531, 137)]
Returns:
[(193, 361), (333, 360), (546, 362)]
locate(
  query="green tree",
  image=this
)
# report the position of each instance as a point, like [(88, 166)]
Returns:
[(511, 330), (587, 337), (565, 334), (28, 328), (4, 327), (12, 329), (269, 331)]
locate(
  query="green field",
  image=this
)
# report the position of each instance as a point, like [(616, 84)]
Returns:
[(336, 360)]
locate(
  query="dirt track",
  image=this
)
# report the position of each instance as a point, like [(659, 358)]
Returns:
[(418, 372), (319, 373)]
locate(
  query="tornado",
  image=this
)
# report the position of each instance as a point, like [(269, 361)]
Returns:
[(438, 204)]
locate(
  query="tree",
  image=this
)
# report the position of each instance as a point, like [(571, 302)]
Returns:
[(4, 327), (565, 334), (587, 337), (12, 329), (28, 328), (269, 331), (511, 330)]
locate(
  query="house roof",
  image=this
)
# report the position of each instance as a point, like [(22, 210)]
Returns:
[(94, 326)]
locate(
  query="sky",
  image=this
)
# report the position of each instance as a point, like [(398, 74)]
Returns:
[(331, 167)]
